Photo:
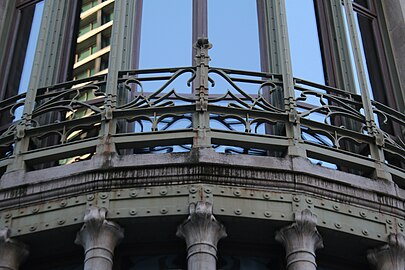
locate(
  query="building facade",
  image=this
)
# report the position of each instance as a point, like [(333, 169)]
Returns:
[(294, 162)]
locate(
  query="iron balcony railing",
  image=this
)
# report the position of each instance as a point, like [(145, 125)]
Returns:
[(177, 109)]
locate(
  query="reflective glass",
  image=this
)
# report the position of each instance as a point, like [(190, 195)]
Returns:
[(233, 31), (166, 34), (304, 41), (32, 44)]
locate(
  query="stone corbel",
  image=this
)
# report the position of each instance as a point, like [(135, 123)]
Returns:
[(98, 237), (12, 252), (390, 256), (301, 240), (201, 232)]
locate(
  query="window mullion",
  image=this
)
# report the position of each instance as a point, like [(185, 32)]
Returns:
[(341, 53), (200, 23)]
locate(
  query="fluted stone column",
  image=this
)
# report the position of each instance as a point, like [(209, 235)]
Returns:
[(300, 240), (99, 237), (12, 252), (390, 256), (202, 232)]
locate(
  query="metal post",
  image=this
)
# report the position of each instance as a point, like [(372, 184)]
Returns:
[(120, 58), (201, 118), (293, 128), (376, 150)]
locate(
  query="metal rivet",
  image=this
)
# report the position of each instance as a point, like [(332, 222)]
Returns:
[(351, 229), (252, 194), (103, 201), (376, 218), (365, 232), (238, 211), (149, 192), (8, 215), (103, 195), (61, 221), (208, 190), (163, 211), (35, 210), (363, 214), (323, 204), (379, 236), (222, 209), (308, 200), (133, 193), (75, 219), (46, 225), (222, 191), (33, 228), (282, 215), (63, 203), (323, 222), (296, 199), (148, 211), (178, 191), (336, 207), (90, 197), (253, 212), (193, 197), (337, 225), (401, 225), (282, 197), (118, 212), (267, 214), (389, 221), (163, 192), (49, 206), (193, 190), (237, 193), (178, 210), (77, 201), (119, 194), (132, 212), (266, 196)]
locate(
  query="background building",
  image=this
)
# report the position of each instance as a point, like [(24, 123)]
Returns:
[(126, 136)]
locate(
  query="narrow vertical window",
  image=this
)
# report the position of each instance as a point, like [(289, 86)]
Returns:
[(93, 39), (233, 31), (166, 34), (31, 46), (304, 41)]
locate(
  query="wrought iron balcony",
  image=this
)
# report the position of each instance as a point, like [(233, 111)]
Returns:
[(176, 109)]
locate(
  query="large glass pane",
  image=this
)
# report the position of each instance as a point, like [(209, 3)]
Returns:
[(233, 31), (32, 44), (166, 34), (363, 56), (304, 41)]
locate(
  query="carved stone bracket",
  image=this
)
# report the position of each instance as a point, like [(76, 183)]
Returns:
[(98, 237), (202, 232), (390, 256), (300, 240), (12, 252)]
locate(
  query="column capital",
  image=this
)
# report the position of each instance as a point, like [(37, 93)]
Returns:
[(390, 256), (201, 231), (301, 239), (98, 236), (12, 252)]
